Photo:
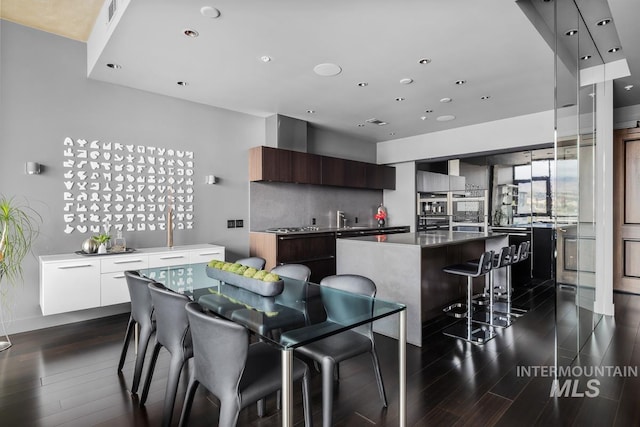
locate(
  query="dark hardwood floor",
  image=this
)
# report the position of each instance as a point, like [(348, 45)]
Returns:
[(67, 376)]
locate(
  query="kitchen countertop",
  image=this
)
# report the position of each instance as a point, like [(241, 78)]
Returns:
[(335, 229), (429, 239)]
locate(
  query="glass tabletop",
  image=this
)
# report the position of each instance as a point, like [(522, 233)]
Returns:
[(304, 312)]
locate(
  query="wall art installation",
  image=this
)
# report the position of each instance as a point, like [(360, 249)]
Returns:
[(112, 186)]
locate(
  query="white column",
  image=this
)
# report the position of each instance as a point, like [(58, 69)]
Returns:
[(603, 303)]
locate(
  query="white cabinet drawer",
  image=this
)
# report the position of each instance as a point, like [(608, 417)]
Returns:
[(121, 263), (168, 259), (206, 255), (69, 286), (113, 289)]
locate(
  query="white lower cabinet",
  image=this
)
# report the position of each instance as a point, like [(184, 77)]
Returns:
[(69, 285), (73, 282), (113, 289)]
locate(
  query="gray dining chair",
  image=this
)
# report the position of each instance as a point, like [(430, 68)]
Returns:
[(172, 333), (142, 315), (330, 351), (254, 261), (294, 271), (237, 373)]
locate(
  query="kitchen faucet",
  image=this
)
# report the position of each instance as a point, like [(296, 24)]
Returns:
[(340, 219)]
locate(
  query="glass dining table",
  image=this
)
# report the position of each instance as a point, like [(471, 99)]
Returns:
[(289, 320)]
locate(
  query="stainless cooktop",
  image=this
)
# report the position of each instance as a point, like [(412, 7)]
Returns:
[(291, 229)]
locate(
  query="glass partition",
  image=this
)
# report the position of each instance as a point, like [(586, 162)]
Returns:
[(572, 182)]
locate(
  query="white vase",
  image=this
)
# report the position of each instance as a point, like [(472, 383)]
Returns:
[(102, 249)]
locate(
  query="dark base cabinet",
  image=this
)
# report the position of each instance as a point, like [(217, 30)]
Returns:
[(316, 251)]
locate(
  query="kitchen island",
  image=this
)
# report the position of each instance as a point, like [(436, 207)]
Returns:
[(407, 268)]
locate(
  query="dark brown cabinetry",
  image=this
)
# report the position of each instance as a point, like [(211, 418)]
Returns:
[(305, 168), (315, 250), (274, 164)]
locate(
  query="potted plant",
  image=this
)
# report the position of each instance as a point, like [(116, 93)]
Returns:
[(102, 240), (19, 225)]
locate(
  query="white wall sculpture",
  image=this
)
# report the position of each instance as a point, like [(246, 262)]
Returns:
[(112, 186)]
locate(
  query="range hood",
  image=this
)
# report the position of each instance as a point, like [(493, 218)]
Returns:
[(286, 132)]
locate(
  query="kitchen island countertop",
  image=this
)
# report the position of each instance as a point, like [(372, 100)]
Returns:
[(429, 239)]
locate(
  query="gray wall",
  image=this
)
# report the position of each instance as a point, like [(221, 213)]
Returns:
[(45, 97), (329, 143)]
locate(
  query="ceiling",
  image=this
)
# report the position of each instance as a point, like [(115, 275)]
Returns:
[(494, 48)]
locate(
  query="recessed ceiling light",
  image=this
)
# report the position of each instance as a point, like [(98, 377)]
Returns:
[(376, 121), (423, 118), (628, 87), (360, 125), (406, 81), (485, 97), (428, 111), (311, 111), (265, 58), (114, 66), (603, 22), (327, 69), (399, 98), (446, 100), (585, 57), (460, 82), (182, 83), (210, 12), (445, 118), (392, 133), (614, 49), (191, 33), (571, 32), (363, 84), (424, 61)]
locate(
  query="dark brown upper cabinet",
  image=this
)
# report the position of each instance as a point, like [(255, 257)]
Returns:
[(273, 164), (306, 168), (269, 164)]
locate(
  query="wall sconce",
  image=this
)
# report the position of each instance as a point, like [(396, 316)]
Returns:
[(32, 168), (210, 179)]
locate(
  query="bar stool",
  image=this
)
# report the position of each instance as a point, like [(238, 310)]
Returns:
[(469, 330), (503, 302), (491, 317)]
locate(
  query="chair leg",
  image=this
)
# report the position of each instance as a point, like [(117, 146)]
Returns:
[(152, 367), (306, 399), (260, 407), (175, 368), (229, 411), (125, 345), (376, 369), (143, 342), (188, 401), (328, 366)]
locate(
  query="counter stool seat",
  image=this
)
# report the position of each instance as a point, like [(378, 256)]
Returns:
[(503, 301), (469, 330)]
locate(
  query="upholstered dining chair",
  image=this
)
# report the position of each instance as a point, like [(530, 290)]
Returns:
[(330, 351), (142, 315), (172, 333), (254, 261), (237, 373)]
